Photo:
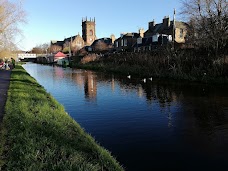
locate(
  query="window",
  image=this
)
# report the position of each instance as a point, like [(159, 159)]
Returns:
[(117, 44), (122, 42), (125, 42), (181, 33)]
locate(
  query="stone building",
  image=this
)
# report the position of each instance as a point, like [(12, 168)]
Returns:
[(176, 29), (157, 35), (88, 31), (126, 41), (56, 46), (74, 43)]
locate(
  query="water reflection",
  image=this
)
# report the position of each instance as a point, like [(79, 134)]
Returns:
[(147, 126), (202, 101), (58, 73), (90, 86)]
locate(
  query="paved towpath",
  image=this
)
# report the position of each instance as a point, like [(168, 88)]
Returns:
[(4, 86)]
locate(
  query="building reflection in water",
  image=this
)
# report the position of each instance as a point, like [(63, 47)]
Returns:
[(90, 86), (87, 80), (113, 83), (164, 94), (58, 72), (153, 93), (140, 91), (78, 78)]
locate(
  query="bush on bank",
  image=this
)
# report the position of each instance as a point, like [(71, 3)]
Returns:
[(37, 134), (192, 65)]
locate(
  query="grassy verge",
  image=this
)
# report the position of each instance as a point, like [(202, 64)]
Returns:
[(37, 134)]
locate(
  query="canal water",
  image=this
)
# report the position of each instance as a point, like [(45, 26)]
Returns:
[(152, 125)]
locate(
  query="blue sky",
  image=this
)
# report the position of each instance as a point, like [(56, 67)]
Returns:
[(56, 19)]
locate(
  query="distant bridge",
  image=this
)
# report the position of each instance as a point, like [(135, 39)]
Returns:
[(26, 57)]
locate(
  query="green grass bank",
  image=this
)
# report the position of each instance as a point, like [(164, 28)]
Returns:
[(37, 133)]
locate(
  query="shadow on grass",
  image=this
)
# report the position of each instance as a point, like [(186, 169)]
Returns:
[(27, 82), (20, 72)]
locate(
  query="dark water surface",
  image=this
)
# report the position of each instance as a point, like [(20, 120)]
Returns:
[(147, 126)]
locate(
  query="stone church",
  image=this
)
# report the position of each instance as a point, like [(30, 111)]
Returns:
[(74, 43), (88, 31)]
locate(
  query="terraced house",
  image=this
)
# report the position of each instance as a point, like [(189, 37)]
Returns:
[(126, 40), (162, 34)]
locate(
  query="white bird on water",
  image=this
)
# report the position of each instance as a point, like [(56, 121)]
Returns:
[(150, 78), (144, 80), (129, 76)]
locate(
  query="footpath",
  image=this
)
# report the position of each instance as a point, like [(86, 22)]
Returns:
[(4, 86)]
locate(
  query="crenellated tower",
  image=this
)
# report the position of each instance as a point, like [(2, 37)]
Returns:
[(88, 30)]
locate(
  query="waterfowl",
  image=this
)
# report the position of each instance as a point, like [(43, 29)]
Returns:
[(144, 80)]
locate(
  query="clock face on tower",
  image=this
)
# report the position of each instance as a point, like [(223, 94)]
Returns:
[(91, 32), (91, 39)]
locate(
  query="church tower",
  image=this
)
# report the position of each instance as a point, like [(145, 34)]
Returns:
[(88, 31)]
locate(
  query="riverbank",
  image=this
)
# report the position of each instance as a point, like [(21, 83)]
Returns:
[(37, 133), (182, 65)]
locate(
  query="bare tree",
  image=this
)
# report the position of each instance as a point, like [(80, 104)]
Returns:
[(100, 46), (75, 49), (208, 23), (55, 48), (11, 14), (45, 47), (41, 49)]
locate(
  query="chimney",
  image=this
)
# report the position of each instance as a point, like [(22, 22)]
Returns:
[(122, 34), (151, 25), (166, 21), (113, 38), (141, 32)]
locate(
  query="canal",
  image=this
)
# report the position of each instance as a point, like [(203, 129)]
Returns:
[(152, 125)]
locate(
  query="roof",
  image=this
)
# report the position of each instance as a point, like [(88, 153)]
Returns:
[(161, 29), (129, 35), (107, 41), (133, 35), (59, 54), (69, 38), (56, 42)]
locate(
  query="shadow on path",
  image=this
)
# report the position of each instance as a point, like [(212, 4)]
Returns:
[(4, 86)]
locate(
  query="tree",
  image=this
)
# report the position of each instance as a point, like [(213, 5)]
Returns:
[(11, 15), (100, 46), (55, 48), (36, 50), (208, 20), (41, 49), (75, 49), (66, 49)]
